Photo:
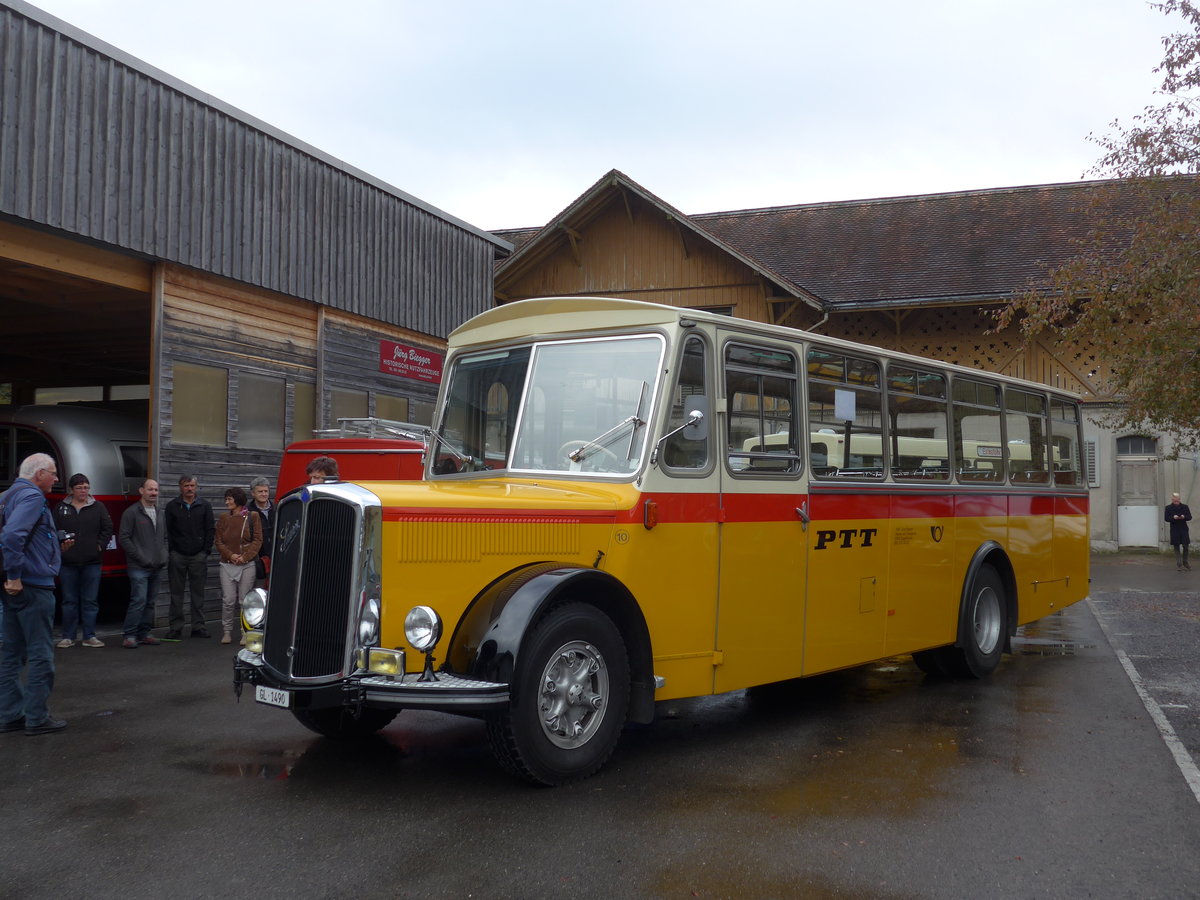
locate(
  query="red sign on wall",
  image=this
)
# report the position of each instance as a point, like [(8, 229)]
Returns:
[(410, 362)]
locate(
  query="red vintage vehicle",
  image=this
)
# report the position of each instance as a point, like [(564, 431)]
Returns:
[(365, 450)]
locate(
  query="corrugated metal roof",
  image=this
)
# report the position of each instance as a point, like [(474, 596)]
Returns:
[(100, 145)]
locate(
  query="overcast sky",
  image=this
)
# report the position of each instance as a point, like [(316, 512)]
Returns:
[(503, 113)]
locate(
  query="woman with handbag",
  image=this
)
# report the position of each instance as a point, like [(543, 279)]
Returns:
[(239, 536)]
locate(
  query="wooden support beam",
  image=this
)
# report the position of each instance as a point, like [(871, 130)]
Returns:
[(574, 237), (682, 234), (73, 258)]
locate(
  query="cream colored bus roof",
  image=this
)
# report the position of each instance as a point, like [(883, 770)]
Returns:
[(563, 315)]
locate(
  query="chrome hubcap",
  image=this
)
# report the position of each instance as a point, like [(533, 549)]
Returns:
[(574, 694), (987, 620)]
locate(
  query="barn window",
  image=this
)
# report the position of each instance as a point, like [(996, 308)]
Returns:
[(389, 407), (261, 407), (200, 400), (347, 405), (303, 410)]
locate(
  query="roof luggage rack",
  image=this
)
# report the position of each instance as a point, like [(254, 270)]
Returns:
[(371, 427)]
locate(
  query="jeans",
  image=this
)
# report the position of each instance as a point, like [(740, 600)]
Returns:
[(28, 644), (187, 572), (80, 592), (143, 585)]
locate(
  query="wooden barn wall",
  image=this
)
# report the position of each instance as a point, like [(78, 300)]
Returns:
[(219, 323), (646, 257), (351, 362), (97, 144), (963, 335)]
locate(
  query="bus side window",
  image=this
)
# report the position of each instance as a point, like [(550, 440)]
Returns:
[(919, 433), (978, 440), (845, 413), (680, 451), (1028, 445), (760, 384), (1065, 442)]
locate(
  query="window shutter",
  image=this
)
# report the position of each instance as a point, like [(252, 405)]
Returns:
[(1091, 462)]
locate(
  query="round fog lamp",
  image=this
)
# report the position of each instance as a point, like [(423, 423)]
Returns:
[(423, 628), (254, 608)]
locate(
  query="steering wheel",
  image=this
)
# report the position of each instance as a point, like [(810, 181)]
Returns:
[(570, 447)]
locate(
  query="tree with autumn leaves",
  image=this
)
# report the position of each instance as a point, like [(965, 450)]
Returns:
[(1133, 289)]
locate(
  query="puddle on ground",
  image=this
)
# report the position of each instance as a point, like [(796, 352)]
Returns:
[(1050, 636)]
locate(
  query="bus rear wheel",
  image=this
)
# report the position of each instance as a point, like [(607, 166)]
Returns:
[(570, 696), (982, 627), (340, 723)]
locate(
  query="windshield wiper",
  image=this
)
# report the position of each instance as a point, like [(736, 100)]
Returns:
[(469, 463), (579, 454)]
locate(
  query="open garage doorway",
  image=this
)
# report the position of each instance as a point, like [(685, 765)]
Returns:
[(75, 372)]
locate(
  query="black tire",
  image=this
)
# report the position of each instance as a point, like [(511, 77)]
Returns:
[(982, 629), (570, 697), (340, 723), (932, 662)]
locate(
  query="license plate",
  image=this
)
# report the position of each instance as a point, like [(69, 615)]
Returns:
[(273, 696)]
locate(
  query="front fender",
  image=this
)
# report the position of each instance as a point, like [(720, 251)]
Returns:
[(488, 639)]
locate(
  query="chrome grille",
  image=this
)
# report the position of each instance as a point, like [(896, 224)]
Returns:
[(313, 587)]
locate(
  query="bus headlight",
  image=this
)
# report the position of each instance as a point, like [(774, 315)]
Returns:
[(254, 609), (368, 623), (422, 628), (254, 641)]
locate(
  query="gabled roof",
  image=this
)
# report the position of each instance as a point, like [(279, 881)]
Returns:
[(933, 249), (529, 242)]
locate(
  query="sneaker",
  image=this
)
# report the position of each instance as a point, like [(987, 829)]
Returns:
[(93, 641), (149, 640), (130, 643), (226, 639), (200, 632), (50, 726), (14, 725), (65, 643)]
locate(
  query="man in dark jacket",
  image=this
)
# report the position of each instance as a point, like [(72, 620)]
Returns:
[(80, 515), (190, 528), (143, 537), (1178, 515), (32, 556)]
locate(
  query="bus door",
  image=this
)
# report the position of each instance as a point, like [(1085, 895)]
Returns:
[(849, 531), (760, 605)]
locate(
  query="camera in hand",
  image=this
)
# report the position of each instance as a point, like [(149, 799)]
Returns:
[(65, 535)]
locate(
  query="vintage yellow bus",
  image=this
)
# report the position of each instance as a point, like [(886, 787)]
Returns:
[(612, 513)]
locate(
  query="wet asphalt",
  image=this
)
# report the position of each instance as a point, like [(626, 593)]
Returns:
[(1053, 778)]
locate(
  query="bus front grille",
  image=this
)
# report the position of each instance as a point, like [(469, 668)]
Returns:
[(312, 587)]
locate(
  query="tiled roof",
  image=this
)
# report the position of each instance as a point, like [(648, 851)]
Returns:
[(969, 246), (935, 247)]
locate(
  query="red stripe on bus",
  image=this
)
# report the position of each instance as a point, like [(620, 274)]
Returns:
[(700, 508)]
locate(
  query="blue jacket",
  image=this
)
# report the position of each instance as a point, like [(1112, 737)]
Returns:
[(28, 538)]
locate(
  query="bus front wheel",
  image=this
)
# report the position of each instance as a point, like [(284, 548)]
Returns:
[(570, 695)]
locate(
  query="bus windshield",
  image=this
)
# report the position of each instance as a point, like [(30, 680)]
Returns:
[(569, 407)]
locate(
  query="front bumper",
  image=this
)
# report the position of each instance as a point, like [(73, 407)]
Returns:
[(449, 693)]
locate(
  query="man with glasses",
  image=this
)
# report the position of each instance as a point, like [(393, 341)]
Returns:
[(32, 556)]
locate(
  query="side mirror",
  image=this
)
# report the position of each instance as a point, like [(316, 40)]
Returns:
[(694, 429)]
